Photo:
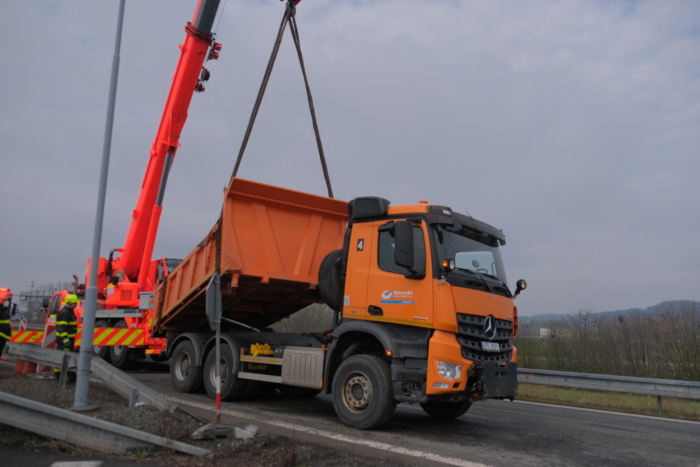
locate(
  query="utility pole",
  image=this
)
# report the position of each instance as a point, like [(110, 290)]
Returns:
[(90, 304)]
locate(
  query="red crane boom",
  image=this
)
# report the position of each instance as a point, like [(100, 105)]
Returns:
[(188, 78)]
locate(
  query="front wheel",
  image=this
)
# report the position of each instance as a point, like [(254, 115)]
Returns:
[(446, 410), (362, 395)]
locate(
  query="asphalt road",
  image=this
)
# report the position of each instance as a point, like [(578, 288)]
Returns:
[(494, 433)]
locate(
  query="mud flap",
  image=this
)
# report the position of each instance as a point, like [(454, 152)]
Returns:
[(500, 382)]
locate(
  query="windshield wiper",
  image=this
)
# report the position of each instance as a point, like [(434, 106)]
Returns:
[(480, 276), (501, 281)]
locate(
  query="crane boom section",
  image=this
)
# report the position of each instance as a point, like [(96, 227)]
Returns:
[(187, 79)]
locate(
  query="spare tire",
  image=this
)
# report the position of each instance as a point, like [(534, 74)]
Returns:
[(330, 280)]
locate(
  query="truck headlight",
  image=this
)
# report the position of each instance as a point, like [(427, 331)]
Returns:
[(449, 371)]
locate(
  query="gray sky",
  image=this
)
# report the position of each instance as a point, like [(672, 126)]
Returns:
[(572, 125)]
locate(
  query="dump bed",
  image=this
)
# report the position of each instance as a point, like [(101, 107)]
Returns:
[(267, 247)]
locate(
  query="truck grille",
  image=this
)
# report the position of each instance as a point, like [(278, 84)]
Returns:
[(475, 344)]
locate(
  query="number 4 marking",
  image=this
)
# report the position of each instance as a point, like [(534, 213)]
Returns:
[(361, 244)]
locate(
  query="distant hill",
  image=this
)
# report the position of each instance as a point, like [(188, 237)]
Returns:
[(669, 305)]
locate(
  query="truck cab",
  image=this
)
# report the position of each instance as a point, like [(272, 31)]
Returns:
[(425, 290)]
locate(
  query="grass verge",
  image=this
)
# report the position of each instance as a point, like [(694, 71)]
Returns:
[(685, 409)]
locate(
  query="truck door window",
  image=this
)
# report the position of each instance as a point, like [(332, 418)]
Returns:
[(55, 305), (386, 253)]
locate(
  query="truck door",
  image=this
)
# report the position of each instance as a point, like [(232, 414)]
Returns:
[(393, 293)]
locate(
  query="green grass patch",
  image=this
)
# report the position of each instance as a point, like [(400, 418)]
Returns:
[(685, 409), (17, 441)]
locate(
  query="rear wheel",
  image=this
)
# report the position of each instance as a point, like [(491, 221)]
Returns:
[(184, 372), (446, 410), (232, 387), (100, 350), (362, 395), (119, 354)]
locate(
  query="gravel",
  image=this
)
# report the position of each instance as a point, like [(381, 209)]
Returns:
[(264, 449)]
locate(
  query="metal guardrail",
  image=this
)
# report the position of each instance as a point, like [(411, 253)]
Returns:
[(628, 384), (650, 386), (121, 383), (80, 429)]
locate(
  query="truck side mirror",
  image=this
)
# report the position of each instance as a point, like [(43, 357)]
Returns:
[(403, 252), (45, 303), (519, 287)]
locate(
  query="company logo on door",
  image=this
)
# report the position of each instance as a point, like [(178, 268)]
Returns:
[(398, 296)]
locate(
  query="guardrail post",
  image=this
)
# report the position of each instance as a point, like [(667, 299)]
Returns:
[(63, 379), (658, 402)]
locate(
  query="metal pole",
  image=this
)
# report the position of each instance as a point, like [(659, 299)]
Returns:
[(217, 284), (90, 304), (212, 308)]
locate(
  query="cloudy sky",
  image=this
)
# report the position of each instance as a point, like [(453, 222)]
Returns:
[(574, 126)]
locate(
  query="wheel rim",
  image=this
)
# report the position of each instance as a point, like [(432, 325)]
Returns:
[(223, 371), (182, 369), (357, 393)]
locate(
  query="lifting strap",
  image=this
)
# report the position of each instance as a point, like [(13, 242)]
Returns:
[(288, 18)]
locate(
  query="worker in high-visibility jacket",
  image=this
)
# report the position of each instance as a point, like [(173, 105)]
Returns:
[(67, 323), (66, 326)]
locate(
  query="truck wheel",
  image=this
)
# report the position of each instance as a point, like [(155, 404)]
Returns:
[(330, 280), (184, 372), (119, 354), (446, 410), (232, 387), (362, 395), (100, 350)]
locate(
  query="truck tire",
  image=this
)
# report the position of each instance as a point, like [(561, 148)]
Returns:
[(100, 350), (185, 375), (119, 354), (232, 387), (446, 410), (330, 280), (362, 395)]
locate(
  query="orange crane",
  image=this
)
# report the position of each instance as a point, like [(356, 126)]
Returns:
[(129, 270), (124, 276)]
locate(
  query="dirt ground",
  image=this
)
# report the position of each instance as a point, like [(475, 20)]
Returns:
[(264, 449)]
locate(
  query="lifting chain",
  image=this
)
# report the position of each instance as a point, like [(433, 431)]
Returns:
[(288, 18)]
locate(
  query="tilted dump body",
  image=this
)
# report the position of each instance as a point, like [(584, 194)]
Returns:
[(267, 247)]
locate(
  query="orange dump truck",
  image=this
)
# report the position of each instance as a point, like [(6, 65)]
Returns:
[(424, 313)]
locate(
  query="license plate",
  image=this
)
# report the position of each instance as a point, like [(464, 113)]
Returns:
[(490, 346)]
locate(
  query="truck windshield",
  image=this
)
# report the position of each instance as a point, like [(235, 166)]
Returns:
[(471, 251)]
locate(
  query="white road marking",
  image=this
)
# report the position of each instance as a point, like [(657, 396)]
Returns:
[(77, 464), (344, 438)]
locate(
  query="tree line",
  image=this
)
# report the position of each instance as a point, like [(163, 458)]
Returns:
[(665, 344)]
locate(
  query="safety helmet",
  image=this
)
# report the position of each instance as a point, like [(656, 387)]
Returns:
[(71, 298)]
